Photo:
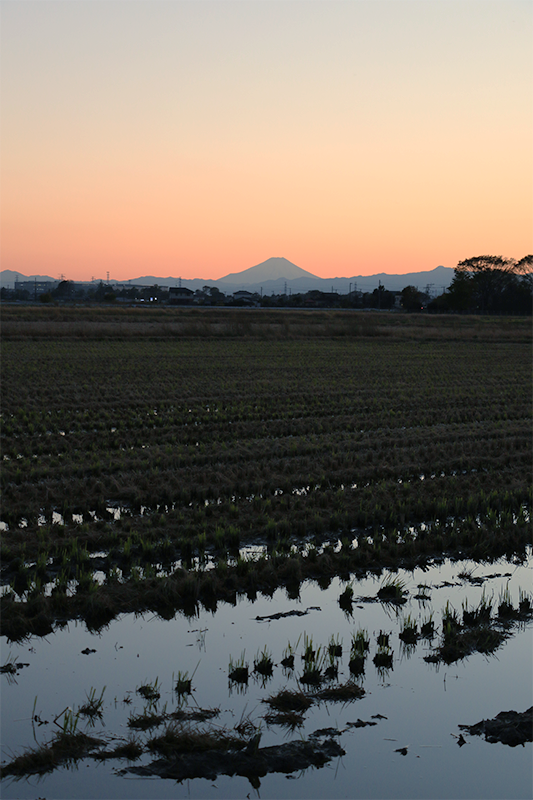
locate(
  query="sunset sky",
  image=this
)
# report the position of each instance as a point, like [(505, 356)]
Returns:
[(198, 138)]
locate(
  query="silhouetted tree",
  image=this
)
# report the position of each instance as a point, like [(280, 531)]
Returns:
[(488, 275), (412, 299)]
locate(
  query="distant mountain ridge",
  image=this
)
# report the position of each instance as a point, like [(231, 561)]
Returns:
[(277, 275), (270, 270)]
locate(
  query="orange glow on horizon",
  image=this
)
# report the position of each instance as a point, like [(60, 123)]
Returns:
[(207, 138)]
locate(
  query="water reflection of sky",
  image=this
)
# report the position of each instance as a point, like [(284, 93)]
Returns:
[(423, 704)]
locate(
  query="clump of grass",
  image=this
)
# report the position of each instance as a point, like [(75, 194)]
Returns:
[(93, 707), (460, 644), (285, 719), (150, 691), (360, 645), (289, 700), (346, 600), (195, 714), (288, 655), (343, 693), (183, 739), (312, 674), (309, 650), (263, 663), (383, 639), (524, 602), (360, 641), (64, 748), (313, 658), (383, 658), (183, 683), (332, 654), (131, 749), (505, 605), (335, 646), (392, 590), (479, 615), (450, 622), (145, 721), (409, 630), (238, 670), (427, 629)]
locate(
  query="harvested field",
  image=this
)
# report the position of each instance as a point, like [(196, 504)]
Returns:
[(139, 458), (184, 465)]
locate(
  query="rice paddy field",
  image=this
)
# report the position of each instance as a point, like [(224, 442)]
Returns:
[(252, 552)]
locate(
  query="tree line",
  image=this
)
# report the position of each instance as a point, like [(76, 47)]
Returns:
[(489, 285), (481, 285)]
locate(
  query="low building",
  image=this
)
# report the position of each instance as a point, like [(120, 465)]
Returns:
[(35, 288), (179, 295), (243, 296)]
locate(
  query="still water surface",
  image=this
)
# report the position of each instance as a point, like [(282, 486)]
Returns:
[(423, 703)]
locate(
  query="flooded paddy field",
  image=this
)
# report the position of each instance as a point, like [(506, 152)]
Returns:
[(265, 554), (400, 736)]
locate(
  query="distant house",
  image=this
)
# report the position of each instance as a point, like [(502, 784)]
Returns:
[(243, 296), (179, 295)]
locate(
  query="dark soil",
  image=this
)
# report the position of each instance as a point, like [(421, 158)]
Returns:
[(507, 727), (286, 758)]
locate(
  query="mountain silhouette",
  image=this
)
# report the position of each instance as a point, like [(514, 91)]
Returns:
[(270, 270), (276, 276)]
